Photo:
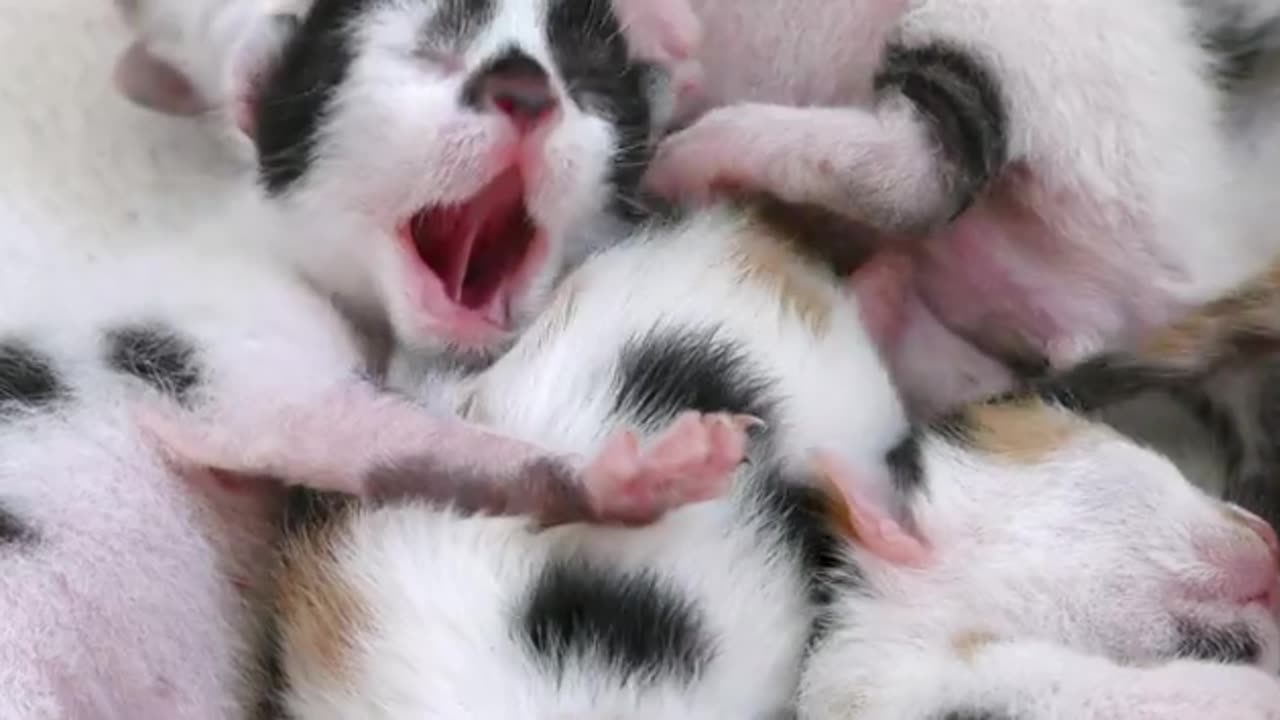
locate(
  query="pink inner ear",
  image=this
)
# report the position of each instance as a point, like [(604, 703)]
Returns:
[(155, 84), (871, 526)]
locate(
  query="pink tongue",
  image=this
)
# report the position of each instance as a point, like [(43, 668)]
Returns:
[(452, 234), (459, 259)]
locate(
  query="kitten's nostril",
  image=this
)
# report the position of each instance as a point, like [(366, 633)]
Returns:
[(516, 85), (523, 99)]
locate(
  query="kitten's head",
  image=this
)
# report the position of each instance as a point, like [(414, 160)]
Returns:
[(1030, 522), (443, 161)]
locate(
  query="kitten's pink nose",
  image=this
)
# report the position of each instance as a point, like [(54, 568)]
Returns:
[(516, 86)]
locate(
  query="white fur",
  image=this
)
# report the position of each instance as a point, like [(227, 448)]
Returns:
[(1120, 205), (834, 390), (124, 603), (398, 138), (81, 167), (440, 589), (1063, 576), (1093, 549), (219, 52)]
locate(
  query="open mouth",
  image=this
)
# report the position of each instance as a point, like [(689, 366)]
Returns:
[(478, 256)]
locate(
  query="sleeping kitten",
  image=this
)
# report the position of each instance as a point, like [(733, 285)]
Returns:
[(1059, 173)]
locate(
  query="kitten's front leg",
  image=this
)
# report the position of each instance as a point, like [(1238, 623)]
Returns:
[(934, 138), (358, 440)]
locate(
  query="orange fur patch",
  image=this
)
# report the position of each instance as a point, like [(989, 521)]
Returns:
[(1201, 338), (968, 644), (1024, 430), (321, 612), (768, 256)]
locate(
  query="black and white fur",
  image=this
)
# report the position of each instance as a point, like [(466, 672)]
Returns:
[(372, 117), (406, 609), (582, 620)]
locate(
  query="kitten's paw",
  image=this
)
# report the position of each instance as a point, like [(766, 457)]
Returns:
[(708, 159), (691, 461)]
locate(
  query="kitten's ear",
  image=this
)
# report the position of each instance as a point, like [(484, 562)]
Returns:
[(864, 521), (155, 84)]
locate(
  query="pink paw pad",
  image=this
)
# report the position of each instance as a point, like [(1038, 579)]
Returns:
[(691, 461)]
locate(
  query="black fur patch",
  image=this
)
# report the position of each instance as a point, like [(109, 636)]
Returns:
[(27, 378), (906, 465), (1236, 48), (1258, 489), (799, 516), (275, 685), (1101, 381), (457, 21), (156, 354), (545, 489), (963, 102), (308, 510), (972, 714), (630, 624), (1230, 644), (1218, 422), (1258, 492), (300, 91), (669, 371), (592, 55), (13, 531)]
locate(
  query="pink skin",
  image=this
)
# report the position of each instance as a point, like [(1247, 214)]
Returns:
[(339, 442), (1249, 572), (868, 523), (667, 32), (1035, 269), (998, 266), (882, 287), (691, 461), (912, 339), (156, 85), (332, 441)]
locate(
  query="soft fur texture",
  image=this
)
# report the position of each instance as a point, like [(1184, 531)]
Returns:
[(128, 591), (122, 574), (406, 609), (1069, 566), (406, 587), (383, 118), (80, 166), (1216, 365), (205, 57), (1066, 161)]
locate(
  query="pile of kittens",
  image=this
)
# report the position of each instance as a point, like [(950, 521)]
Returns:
[(885, 359)]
